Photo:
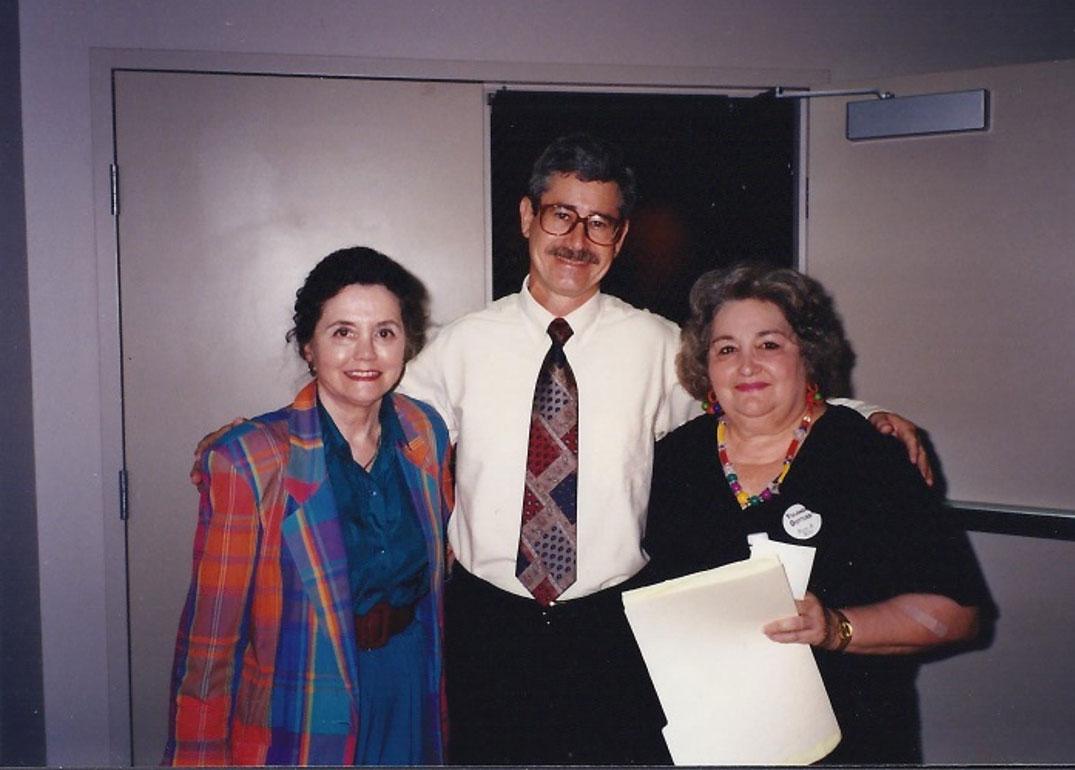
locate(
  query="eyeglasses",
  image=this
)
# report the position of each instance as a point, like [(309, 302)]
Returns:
[(560, 219)]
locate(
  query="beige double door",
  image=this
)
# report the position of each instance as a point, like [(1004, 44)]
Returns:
[(231, 187)]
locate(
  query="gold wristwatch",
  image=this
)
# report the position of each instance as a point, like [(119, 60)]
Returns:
[(844, 631)]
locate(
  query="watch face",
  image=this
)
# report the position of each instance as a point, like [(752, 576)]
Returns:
[(845, 630)]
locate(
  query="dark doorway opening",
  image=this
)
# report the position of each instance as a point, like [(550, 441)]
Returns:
[(717, 183)]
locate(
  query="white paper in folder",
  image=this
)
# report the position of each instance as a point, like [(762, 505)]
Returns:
[(731, 695), (798, 560)]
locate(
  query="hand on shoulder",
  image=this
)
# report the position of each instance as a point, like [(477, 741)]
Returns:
[(892, 424)]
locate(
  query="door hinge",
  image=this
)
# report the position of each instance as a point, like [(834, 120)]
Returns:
[(113, 181), (123, 498)]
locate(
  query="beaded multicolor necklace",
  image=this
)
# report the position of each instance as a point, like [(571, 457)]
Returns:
[(773, 487)]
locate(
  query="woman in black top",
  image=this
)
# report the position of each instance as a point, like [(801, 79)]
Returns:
[(891, 576)]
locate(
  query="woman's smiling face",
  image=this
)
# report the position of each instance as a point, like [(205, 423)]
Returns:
[(357, 349), (755, 362)]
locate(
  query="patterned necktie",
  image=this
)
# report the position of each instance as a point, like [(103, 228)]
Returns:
[(546, 562)]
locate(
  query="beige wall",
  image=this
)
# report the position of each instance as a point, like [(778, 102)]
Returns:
[(951, 259)]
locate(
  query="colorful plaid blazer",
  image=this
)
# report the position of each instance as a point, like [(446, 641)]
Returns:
[(265, 659)]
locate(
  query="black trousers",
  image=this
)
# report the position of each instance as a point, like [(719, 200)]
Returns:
[(529, 685)]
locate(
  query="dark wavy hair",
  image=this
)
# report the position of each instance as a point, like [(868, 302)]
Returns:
[(805, 304), (589, 158), (365, 266)]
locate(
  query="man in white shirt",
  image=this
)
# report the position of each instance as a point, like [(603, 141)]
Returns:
[(530, 683)]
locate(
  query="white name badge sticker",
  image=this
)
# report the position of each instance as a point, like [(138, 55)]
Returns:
[(801, 523)]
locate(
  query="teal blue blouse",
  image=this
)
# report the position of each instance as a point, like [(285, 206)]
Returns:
[(386, 550)]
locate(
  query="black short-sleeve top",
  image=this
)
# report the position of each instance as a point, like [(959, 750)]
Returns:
[(878, 529)]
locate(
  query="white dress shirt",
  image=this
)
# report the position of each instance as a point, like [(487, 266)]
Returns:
[(479, 373)]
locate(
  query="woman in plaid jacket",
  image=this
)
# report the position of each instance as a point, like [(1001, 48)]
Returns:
[(312, 630)]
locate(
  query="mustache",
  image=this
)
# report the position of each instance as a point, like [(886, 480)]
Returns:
[(584, 256)]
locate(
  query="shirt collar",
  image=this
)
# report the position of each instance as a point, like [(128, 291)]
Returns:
[(391, 430), (580, 319)]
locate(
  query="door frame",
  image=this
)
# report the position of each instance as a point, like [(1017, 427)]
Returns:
[(104, 62)]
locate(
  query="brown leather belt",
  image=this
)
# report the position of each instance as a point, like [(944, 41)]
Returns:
[(381, 623)]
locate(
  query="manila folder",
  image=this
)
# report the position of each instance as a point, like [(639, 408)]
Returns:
[(730, 694)]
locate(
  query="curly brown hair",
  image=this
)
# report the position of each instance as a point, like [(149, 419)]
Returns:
[(805, 304)]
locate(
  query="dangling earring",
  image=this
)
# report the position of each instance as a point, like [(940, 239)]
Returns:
[(710, 405), (813, 395)]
